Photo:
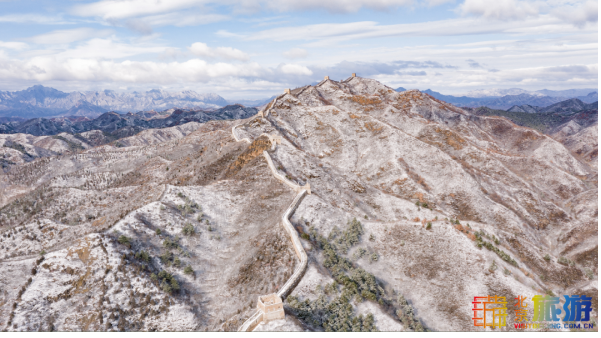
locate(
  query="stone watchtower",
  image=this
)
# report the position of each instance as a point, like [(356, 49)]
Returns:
[(272, 307)]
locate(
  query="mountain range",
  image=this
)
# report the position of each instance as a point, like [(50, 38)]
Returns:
[(567, 106), (513, 97), (361, 207), (40, 101), (122, 125), (498, 92)]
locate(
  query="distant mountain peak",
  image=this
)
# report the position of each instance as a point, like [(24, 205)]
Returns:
[(40, 101)]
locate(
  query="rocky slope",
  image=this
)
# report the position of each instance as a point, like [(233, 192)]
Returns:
[(416, 207), (40, 101)]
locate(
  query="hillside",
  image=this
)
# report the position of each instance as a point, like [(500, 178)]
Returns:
[(546, 122), (415, 207), (112, 122)]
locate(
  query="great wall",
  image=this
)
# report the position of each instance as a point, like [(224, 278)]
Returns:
[(262, 314)]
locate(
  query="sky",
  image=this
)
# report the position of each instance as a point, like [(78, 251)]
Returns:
[(251, 49)]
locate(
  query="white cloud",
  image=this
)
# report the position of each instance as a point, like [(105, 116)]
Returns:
[(576, 12), (136, 26), (334, 32), (68, 35), (225, 34), (500, 9), (295, 53), (144, 25), (579, 13), (13, 45), (228, 53), (108, 49), (432, 3), (33, 18), (181, 19), (293, 69), (171, 54), (335, 6), (48, 68), (121, 9)]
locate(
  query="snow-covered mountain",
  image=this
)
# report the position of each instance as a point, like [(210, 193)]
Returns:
[(567, 92), (415, 207), (40, 101), (498, 92)]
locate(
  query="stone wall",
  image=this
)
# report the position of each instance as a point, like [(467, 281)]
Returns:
[(299, 272)]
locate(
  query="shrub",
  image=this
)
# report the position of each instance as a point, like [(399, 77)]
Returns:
[(359, 253), (188, 270), (480, 243), (368, 323), (564, 261), (547, 258), (374, 257), (493, 267), (176, 261), (168, 282), (166, 258), (143, 255), (429, 226), (343, 240), (158, 231), (174, 284), (171, 244), (166, 287), (305, 236), (188, 229), (372, 237), (124, 240)]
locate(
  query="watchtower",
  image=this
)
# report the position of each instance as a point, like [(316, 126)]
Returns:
[(272, 307)]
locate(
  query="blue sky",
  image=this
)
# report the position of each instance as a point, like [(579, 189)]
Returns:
[(255, 48)]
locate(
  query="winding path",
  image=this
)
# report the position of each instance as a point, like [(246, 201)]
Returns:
[(299, 272)]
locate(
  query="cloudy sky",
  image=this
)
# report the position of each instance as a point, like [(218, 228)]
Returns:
[(256, 48)]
